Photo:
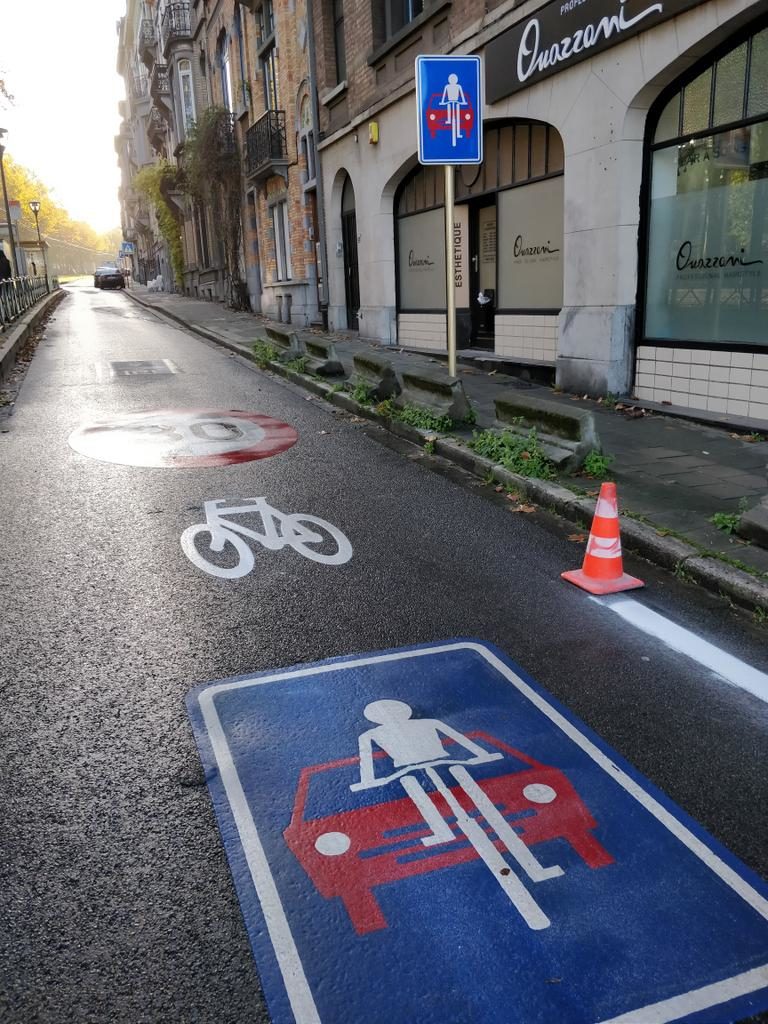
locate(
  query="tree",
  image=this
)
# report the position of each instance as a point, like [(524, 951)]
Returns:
[(155, 182), (24, 185), (213, 175)]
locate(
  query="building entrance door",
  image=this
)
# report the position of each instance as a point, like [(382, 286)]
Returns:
[(349, 239), (482, 274)]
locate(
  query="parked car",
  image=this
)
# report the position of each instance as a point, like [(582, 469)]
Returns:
[(346, 853), (108, 277), (437, 116)]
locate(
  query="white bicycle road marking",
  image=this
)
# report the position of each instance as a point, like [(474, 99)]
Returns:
[(296, 530)]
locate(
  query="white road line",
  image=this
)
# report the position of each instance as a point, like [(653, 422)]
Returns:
[(732, 670), (701, 999)]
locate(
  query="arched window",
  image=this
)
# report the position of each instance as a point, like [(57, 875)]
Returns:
[(707, 222)]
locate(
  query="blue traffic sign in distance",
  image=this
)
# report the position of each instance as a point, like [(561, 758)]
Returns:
[(449, 109), (424, 835)]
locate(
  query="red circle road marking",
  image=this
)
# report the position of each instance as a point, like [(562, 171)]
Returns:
[(184, 438)]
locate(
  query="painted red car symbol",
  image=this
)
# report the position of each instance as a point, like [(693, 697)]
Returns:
[(437, 116), (348, 853)]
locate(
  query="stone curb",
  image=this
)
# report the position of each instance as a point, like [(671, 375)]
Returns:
[(13, 341), (668, 552)]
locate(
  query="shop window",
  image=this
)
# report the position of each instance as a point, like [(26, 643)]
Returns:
[(512, 206), (758, 75), (729, 86), (707, 247), (696, 98), (521, 169)]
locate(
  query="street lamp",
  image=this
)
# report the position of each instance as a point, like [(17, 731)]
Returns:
[(34, 205), (3, 131)]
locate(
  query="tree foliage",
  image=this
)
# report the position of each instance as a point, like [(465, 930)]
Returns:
[(213, 176), (156, 182), (24, 185)]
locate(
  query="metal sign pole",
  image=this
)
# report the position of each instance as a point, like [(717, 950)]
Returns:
[(450, 291)]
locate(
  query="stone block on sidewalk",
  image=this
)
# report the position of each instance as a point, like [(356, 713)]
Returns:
[(322, 357), (439, 394), (753, 524), (567, 434), (287, 343), (377, 375)]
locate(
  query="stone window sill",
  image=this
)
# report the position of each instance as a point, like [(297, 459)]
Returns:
[(333, 94), (412, 26)]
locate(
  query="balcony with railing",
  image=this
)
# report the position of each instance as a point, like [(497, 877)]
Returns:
[(225, 130), (266, 148), (176, 25), (160, 83), (138, 86), (157, 130), (147, 41)]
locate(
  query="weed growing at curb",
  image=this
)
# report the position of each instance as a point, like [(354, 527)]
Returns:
[(760, 615), (360, 393), (298, 365), (729, 521), (429, 446), (597, 465), (682, 573), (265, 353), (515, 452), (414, 417), (610, 400)]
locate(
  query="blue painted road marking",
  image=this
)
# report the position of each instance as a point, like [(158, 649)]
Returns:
[(449, 105), (517, 871)]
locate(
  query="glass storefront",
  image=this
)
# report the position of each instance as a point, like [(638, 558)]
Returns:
[(508, 232), (707, 253)]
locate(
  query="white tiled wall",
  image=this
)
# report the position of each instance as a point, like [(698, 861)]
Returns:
[(517, 337), (708, 379), (422, 330), (526, 337)]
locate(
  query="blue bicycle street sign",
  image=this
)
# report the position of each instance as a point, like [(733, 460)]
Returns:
[(425, 835), (449, 109)]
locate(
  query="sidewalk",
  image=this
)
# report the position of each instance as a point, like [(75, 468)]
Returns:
[(671, 473)]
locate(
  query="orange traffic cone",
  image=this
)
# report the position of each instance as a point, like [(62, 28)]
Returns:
[(603, 570)]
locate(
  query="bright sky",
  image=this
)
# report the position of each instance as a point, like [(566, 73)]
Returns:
[(58, 60)]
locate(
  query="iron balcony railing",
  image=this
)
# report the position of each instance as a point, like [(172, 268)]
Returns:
[(265, 144), (160, 83), (17, 295), (226, 133), (157, 127), (138, 87), (176, 24), (147, 40)]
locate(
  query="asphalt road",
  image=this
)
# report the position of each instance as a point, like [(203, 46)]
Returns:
[(115, 895)]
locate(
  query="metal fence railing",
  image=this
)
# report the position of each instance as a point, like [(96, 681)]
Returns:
[(17, 295)]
